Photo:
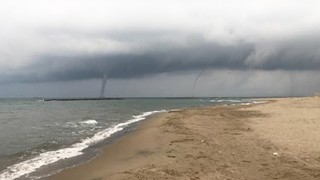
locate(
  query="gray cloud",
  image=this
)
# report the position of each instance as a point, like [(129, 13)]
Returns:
[(144, 39), (197, 54), (217, 83)]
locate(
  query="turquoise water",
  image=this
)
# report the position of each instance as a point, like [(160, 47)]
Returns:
[(34, 133)]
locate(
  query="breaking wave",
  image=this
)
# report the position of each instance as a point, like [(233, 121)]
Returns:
[(49, 157)]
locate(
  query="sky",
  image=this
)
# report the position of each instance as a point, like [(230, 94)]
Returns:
[(147, 48)]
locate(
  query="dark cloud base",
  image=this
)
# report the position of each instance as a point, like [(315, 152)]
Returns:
[(196, 56)]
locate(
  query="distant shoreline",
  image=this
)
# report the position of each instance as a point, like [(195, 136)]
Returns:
[(125, 98), (81, 99)]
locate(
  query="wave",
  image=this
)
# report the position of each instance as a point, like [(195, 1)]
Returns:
[(89, 122), (245, 102), (227, 100), (49, 157)]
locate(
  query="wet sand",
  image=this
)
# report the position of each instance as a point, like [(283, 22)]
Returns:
[(275, 140)]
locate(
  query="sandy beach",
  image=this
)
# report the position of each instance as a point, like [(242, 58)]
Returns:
[(279, 139)]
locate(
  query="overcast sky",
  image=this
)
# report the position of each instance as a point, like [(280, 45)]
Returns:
[(62, 48)]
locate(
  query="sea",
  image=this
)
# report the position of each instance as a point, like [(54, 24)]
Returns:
[(39, 138)]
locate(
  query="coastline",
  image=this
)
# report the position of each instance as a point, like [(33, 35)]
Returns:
[(219, 142)]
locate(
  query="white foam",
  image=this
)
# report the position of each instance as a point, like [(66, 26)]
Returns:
[(70, 125), (245, 104), (250, 103), (259, 102), (31, 165), (232, 100), (89, 122)]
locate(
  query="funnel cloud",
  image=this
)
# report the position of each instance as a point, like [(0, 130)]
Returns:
[(103, 85)]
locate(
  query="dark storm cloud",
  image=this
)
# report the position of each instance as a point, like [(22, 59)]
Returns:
[(195, 57), (130, 39), (198, 55)]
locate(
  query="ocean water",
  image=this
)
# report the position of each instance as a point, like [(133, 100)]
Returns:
[(35, 134)]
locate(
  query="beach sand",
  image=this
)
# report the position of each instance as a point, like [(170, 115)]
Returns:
[(279, 139)]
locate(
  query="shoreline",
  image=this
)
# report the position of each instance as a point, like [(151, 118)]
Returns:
[(206, 143), (89, 154), (121, 141), (51, 162)]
